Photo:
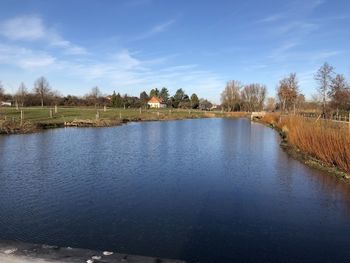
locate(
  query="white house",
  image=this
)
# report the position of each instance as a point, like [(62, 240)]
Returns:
[(5, 103), (155, 102)]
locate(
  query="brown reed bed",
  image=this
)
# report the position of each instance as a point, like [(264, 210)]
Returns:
[(326, 141)]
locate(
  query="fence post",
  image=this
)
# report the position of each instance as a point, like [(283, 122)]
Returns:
[(22, 117), (97, 115), (120, 115), (104, 108), (56, 110), (50, 113)]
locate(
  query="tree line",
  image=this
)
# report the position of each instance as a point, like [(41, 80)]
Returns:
[(239, 97), (42, 95), (333, 93)]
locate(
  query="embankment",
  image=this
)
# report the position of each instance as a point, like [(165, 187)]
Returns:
[(29, 126), (319, 144)]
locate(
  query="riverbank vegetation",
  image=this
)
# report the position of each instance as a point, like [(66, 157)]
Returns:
[(323, 140), (319, 128)]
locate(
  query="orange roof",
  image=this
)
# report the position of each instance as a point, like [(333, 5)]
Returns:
[(154, 99)]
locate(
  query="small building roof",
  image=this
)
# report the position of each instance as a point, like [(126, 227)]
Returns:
[(155, 99)]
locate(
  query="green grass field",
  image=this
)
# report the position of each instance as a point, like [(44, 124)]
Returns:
[(37, 118), (66, 114)]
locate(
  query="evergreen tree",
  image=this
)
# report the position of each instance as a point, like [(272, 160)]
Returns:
[(164, 94), (114, 99), (154, 93), (194, 101)]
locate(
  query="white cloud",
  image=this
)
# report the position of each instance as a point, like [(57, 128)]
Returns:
[(30, 62), (162, 27), (124, 59), (69, 48), (24, 58), (159, 28), (123, 70), (273, 18), (23, 28), (32, 28)]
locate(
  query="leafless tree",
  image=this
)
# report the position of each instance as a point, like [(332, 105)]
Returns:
[(2, 91), (324, 77), (300, 101), (253, 97), (271, 104), (55, 97), (339, 93), (42, 89), (21, 94), (288, 91), (230, 97), (94, 95)]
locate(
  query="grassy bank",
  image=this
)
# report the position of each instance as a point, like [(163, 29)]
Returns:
[(36, 119), (319, 143)]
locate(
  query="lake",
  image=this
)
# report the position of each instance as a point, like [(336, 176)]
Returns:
[(206, 190)]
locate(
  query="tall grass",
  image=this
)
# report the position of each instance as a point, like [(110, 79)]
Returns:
[(326, 141)]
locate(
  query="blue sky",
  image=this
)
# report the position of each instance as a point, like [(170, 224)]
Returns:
[(135, 45)]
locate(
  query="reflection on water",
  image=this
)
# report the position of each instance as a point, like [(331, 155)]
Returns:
[(211, 190)]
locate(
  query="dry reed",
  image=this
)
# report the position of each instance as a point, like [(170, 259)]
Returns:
[(326, 141)]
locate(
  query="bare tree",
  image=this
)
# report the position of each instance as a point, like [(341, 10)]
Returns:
[(94, 95), (230, 97), (21, 94), (271, 104), (339, 93), (42, 89), (300, 101), (55, 97), (324, 77), (288, 91), (253, 97), (2, 91)]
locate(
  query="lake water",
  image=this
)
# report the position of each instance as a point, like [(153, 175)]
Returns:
[(207, 190)]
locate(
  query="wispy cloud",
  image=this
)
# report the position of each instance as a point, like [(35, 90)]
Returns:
[(31, 28), (23, 28), (123, 69), (162, 27), (295, 28), (157, 29), (24, 58), (272, 18)]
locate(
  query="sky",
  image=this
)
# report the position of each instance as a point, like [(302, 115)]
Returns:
[(197, 45)]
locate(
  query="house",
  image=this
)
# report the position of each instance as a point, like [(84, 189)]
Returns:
[(155, 102), (5, 103)]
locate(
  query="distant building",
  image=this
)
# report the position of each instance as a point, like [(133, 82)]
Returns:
[(213, 107), (6, 103), (155, 102)]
